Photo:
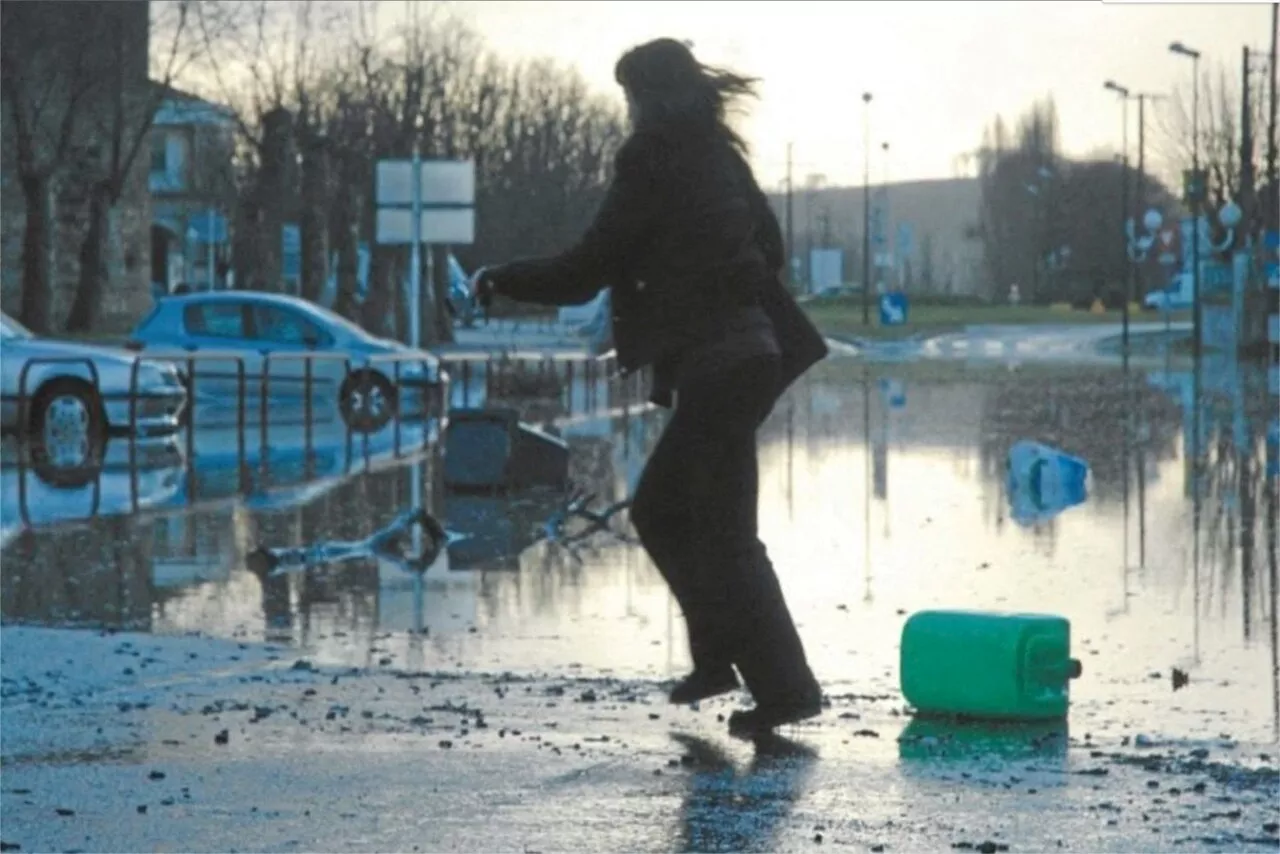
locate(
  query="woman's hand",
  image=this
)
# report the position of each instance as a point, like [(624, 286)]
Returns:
[(482, 288)]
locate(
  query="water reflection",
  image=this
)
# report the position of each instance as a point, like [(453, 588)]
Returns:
[(725, 810), (934, 739), (883, 491)]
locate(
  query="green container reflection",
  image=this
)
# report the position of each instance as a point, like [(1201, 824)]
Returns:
[(940, 738)]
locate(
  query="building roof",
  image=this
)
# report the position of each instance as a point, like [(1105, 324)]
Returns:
[(183, 108)]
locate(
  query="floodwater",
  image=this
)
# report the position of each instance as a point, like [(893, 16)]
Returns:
[(883, 492)]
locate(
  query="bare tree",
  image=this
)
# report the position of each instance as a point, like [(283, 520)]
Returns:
[(47, 80), (1220, 105), (542, 142), (119, 130)]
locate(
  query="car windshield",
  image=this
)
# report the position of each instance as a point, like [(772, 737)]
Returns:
[(12, 329)]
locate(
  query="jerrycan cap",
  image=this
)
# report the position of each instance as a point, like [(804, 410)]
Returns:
[(1074, 668)]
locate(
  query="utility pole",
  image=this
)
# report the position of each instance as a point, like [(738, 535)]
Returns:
[(1271, 120), (791, 236), (1140, 190), (1247, 198), (866, 209), (1140, 201), (886, 224)]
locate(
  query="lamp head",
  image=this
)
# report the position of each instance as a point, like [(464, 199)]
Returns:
[(1183, 50), (1112, 85)]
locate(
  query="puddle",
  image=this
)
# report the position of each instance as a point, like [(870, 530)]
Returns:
[(883, 492)]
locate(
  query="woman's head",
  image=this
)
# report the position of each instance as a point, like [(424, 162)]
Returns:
[(665, 84)]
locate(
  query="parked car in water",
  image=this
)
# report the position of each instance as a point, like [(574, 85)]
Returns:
[(293, 348), (68, 397)]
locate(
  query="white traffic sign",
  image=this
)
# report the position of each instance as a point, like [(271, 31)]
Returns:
[(436, 225), (441, 182), (431, 202), (446, 198)]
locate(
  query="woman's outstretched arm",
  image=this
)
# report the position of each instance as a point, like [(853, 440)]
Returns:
[(603, 253)]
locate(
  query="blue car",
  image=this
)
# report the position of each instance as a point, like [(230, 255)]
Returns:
[(292, 352)]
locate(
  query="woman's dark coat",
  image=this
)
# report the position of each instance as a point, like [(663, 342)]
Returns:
[(684, 237)]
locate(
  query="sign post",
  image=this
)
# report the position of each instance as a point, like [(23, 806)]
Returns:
[(424, 202), (415, 256)]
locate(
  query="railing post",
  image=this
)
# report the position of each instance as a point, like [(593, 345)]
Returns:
[(307, 413), (133, 432), (568, 382), (399, 402), (242, 393), (263, 418), (191, 421)]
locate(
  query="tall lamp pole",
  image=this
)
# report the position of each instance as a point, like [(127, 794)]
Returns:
[(1128, 268), (866, 208), (1196, 193), (890, 273), (1140, 202)]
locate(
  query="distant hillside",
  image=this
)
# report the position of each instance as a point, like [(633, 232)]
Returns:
[(940, 214)]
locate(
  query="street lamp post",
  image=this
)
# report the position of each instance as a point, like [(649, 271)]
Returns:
[(1141, 192), (1123, 92), (1196, 192), (866, 208), (890, 271)]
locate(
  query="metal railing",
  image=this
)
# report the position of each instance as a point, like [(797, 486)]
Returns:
[(554, 376), (584, 386), (433, 385)]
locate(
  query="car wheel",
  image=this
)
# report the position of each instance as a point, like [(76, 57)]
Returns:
[(68, 427), (367, 400)]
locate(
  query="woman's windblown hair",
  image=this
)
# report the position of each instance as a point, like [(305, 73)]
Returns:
[(671, 87)]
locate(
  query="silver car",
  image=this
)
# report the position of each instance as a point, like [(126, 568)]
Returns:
[(289, 351), (68, 397)]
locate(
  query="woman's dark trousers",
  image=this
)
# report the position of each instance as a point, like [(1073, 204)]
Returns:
[(696, 510)]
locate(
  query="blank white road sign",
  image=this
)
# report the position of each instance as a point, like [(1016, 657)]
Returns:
[(439, 225), (443, 182)]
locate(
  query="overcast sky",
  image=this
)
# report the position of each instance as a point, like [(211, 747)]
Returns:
[(938, 71)]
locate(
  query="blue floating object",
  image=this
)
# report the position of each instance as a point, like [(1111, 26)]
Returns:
[(1043, 481)]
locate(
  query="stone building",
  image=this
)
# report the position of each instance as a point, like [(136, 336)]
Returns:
[(192, 189), (64, 61)]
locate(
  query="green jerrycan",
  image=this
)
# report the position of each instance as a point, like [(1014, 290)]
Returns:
[(987, 665)]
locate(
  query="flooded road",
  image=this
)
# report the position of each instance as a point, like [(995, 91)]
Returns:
[(883, 491)]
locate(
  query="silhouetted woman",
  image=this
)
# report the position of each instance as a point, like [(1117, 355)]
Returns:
[(692, 251)]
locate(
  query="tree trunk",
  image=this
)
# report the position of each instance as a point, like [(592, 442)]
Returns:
[(382, 274), (275, 187), (37, 253), (443, 333), (346, 301), (313, 225), (344, 230), (94, 275)]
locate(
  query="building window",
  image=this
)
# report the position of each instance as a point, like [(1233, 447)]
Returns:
[(170, 161), (159, 160)]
